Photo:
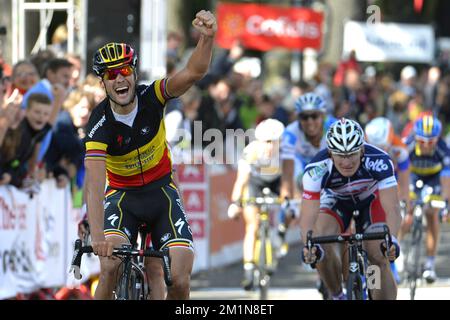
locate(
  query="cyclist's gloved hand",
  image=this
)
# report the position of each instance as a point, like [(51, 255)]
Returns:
[(314, 256), (234, 210), (287, 209), (394, 250)]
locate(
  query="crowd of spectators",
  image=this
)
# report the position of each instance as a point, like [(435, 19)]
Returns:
[(45, 105)]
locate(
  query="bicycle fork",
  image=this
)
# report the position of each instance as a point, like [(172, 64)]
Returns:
[(263, 239)]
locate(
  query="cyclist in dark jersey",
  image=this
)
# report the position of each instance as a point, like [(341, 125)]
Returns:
[(350, 175), (126, 145)]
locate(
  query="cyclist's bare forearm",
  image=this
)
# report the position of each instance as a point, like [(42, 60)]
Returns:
[(391, 206), (445, 183), (403, 185), (287, 183), (241, 181), (95, 187), (199, 62), (309, 210)]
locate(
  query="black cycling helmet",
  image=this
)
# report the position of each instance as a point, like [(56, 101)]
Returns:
[(113, 55)]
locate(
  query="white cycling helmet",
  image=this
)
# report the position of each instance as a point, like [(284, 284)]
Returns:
[(310, 102), (379, 132), (269, 130), (345, 136)]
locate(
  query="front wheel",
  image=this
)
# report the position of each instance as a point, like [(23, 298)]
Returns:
[(414, 270), (132, 284), (354, 287)]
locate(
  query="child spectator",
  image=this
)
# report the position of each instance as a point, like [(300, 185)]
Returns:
[(20, 145)]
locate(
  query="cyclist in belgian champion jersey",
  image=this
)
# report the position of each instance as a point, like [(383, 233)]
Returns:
[(349, 176), (126, 144)]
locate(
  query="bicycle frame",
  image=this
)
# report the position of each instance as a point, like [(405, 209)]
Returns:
[(356, 282), (127, 253), (424, 201), (126, 286), (263, 254), (357, 272)]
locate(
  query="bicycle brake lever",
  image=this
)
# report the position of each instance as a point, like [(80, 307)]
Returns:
[(166, 267), (76, 260), (309, 240)]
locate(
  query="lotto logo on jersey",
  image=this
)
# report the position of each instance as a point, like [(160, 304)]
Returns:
[(377, 165)]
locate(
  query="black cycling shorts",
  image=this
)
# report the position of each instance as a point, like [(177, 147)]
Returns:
[(256, 186), (160, 208)]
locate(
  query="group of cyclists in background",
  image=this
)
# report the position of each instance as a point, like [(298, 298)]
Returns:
[(337, 168)]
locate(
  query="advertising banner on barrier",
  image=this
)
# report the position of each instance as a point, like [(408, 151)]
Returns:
[(264, 27), (193, 182), (36, 239), (17, 245), (226, 234), (389, 42)]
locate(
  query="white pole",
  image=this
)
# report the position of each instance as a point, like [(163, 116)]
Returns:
[(152, 54), (83, 35), (21, 18), (43, 29), (70, 27), (15, 32)]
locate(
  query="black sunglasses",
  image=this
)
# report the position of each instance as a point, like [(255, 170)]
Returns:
[(306, 116)]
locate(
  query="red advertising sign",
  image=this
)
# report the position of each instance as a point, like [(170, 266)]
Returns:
[(198, 228), (191, 173), (265, 27), (194, 200)]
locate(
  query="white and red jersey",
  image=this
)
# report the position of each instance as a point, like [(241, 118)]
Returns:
[(376, 172)]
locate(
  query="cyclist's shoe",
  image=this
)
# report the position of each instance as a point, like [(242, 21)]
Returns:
[(395, 273), (283, 250), (323, 290), (429, 275), (341, 296), (247, 282), (282, 231)]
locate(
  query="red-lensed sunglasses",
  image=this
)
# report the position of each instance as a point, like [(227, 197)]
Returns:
[(111, 74), (426, 142)]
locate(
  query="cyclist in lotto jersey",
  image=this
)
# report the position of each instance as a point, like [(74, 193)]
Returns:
[(126, 145), (430, 162), (349, 176)]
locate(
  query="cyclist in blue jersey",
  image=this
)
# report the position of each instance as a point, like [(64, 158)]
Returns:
[(350, 176), (430, 162), (301, 141)]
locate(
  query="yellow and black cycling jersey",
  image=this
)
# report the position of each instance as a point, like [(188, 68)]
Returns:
[(138, 155), (429, 165)]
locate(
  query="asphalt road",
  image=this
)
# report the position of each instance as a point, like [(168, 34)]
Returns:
[(293, 282)]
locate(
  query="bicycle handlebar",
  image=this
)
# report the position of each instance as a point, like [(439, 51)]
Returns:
[(269, 201), (385, 235), (122, 252)]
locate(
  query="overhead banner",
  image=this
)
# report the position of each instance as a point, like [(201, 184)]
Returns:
[(264, 27), (389, 42)]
